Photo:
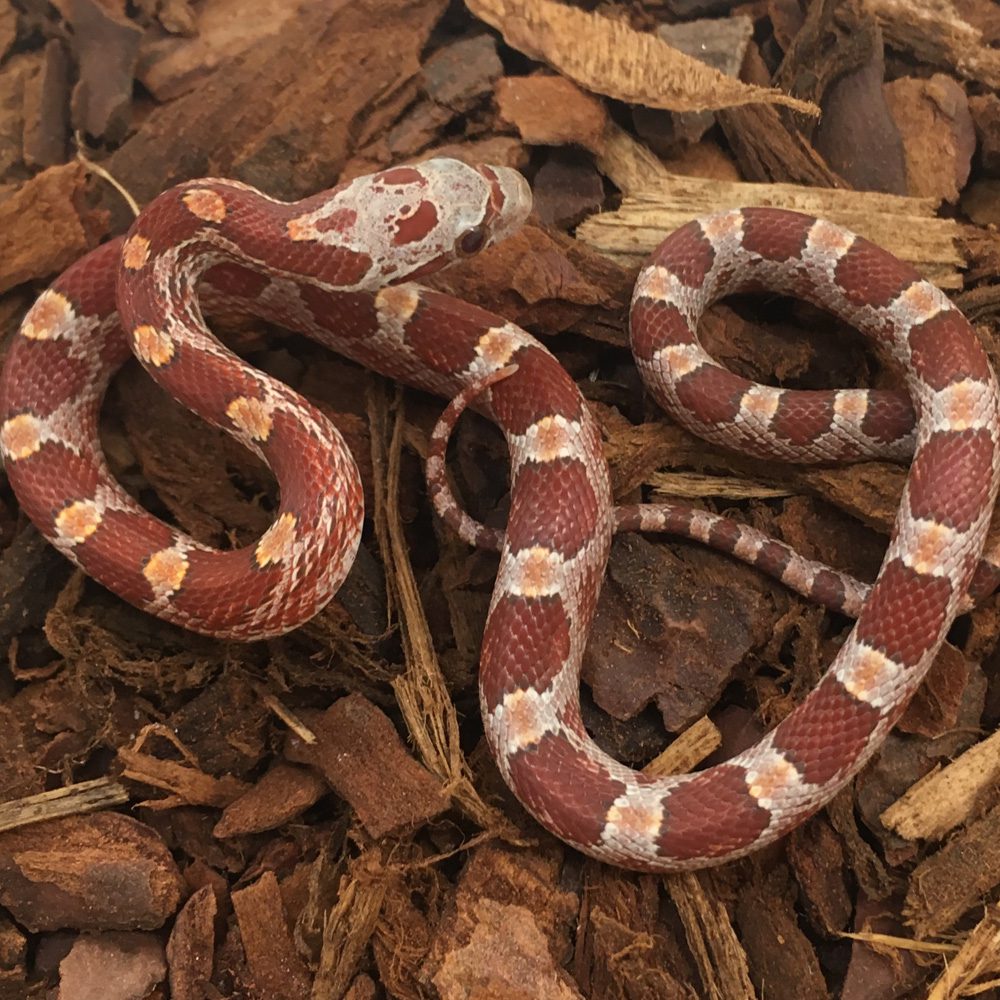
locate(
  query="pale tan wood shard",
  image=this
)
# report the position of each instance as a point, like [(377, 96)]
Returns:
[(946, 798), (83, 797), (906, 227), (691, 747)]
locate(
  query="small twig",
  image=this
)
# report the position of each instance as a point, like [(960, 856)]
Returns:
[(687, 751), (101, 172), (903, 944), (83, 797), (295, 724)]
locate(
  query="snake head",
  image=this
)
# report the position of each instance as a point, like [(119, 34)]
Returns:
[(477, 224), (410, 221)]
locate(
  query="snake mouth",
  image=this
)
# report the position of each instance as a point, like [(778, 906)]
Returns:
[(509, 203)]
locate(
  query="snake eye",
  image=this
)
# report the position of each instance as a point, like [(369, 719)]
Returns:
[(471, 241)]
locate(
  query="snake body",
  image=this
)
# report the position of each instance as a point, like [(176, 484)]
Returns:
[(340, 267)]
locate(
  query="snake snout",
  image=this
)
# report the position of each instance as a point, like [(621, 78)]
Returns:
[(510, 201)]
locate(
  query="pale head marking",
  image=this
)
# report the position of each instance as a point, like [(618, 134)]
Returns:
[(412, 220)]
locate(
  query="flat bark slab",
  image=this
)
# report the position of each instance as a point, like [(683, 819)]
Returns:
[(359, 753), (61, 873)]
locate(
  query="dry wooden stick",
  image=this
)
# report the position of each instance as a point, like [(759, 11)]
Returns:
[(906, 227), (83, 797)]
